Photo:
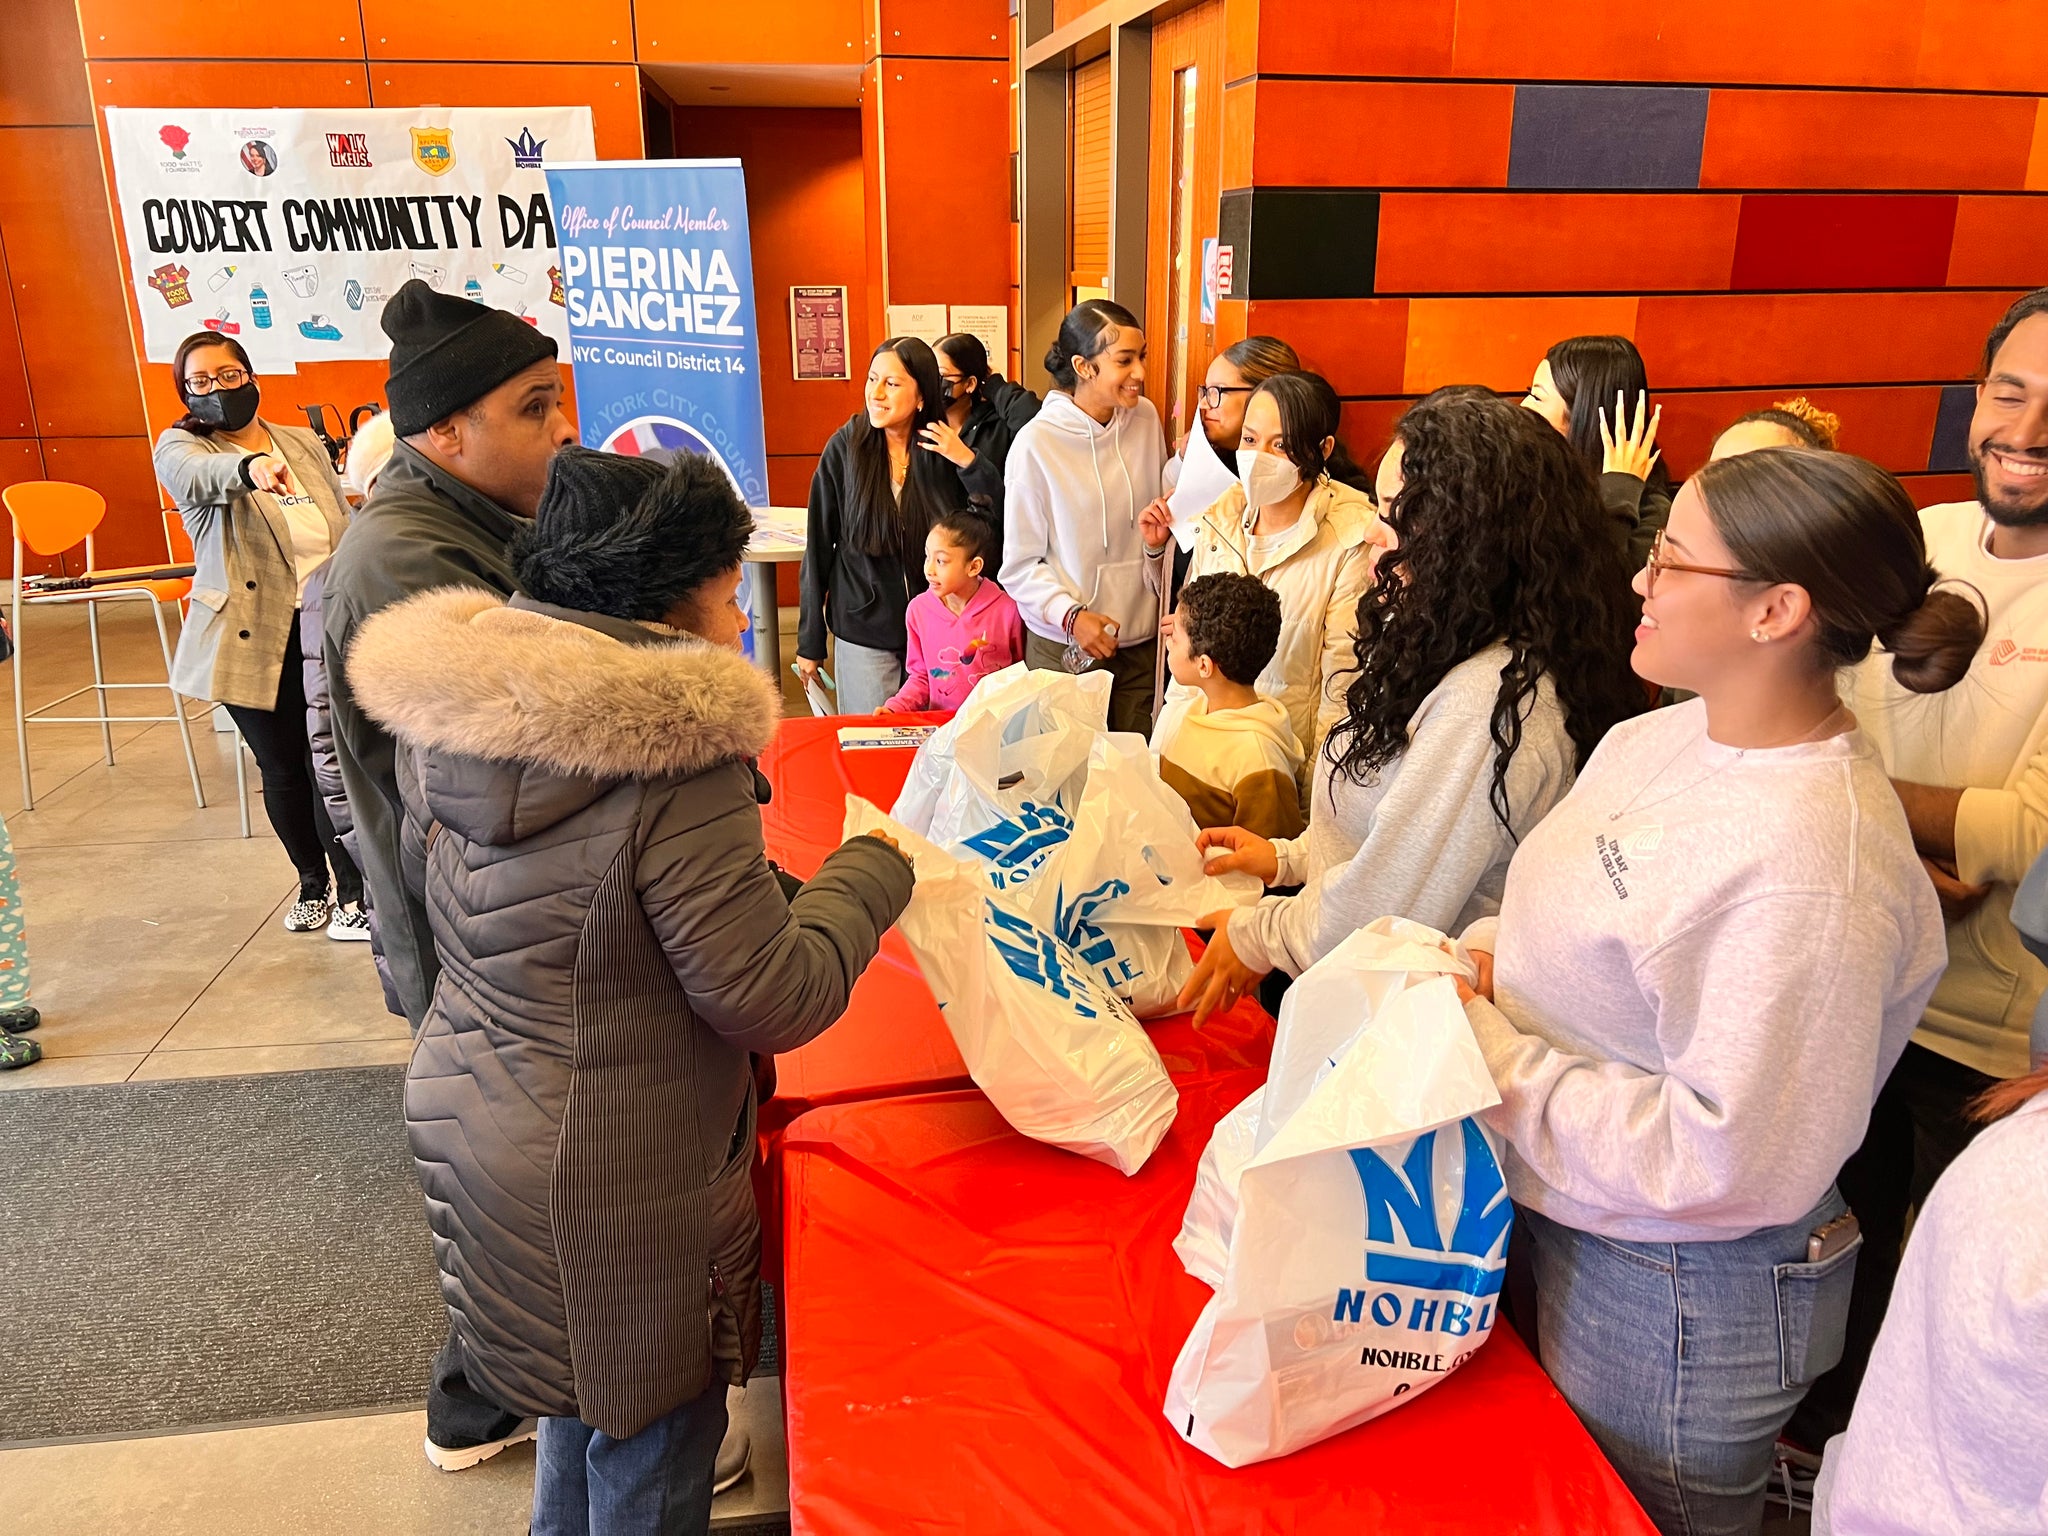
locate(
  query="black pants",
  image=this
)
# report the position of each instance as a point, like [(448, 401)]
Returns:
[(291, 798), (1919, 1125), (1130, 670), (458, 1415)]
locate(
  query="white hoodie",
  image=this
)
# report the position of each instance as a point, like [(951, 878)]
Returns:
[(1073, 489)]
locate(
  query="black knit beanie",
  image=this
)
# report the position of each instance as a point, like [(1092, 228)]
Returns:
[(588, 490), (448, 353)]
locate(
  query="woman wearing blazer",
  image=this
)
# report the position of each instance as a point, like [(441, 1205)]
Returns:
[(265, 509)]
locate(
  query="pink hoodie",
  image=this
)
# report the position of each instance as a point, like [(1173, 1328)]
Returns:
[(948, 654)]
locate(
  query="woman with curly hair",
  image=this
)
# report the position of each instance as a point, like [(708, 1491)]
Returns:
[(1794, 423), (1489, 665)]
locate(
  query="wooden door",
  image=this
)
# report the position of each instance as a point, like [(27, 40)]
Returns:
[(1088, 184), (1187, 158)]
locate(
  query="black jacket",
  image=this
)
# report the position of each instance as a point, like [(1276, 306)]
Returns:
[(857, 596), (1640, 510), (1013, 401), (989, 432)]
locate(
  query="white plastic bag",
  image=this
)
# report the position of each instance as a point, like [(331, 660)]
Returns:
[(1204, 1241), (1367, 1243), (1130, 878), (1003, 777), (1057, 1053)]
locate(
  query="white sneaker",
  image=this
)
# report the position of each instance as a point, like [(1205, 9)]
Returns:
[(736, 1449), (307, 915), (459, 1458), (350, 923)]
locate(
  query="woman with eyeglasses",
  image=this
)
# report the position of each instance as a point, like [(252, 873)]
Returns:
[(881, 480), (264, 509), (1706, 961), (1489, 665), (1304, 533), (1081, 474)]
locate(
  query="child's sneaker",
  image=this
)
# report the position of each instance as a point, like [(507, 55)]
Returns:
[(350, 922), (308, 914), (17, 1052), (20, 1020)]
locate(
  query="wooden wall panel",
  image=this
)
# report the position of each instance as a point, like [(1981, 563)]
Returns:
[(1743, 340), (202, 29), (1982, 45), (597, 31), (42, 78), (2000, 240), (17, 414), (958, 29), (947, 207), (1357, 344), (1317, 37), (1892, 141), (225, 83), (612, 92), (119, 469), (794, 32), (1358, 133), (1533, 242), (1498, 342), (1892, 425)]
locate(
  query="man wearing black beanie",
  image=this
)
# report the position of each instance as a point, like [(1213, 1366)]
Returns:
[(476, 403)]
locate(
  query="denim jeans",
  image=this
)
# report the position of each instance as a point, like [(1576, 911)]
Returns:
[(655, 1483), (1684, 1360), (867, 678)]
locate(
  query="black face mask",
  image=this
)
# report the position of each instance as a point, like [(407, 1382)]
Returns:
[(232, 409)]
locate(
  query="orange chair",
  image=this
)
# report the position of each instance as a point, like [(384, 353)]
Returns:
[(52, 517)]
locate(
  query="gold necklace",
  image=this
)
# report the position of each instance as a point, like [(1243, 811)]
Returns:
[(1816, 732)]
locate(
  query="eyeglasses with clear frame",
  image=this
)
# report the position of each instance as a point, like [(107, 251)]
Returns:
[(1659, 562), (207, 383)]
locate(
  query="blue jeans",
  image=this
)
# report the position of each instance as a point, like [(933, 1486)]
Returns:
[(867, 678), (655, 1483), (1684, 1360)]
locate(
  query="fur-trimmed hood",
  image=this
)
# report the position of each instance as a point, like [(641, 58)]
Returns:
[(456, 672)]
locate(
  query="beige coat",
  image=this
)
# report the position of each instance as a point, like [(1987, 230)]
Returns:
[(245, 590), (1319, 570)]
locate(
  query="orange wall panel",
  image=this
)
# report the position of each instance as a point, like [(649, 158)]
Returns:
[(1735, 341), (946, 210), (2000, 240), (17, 415), (2037, 156), (611, 92), (1982, 45), (1367, 428), (225, 83), (1315, 37), (1489, 242), (1890, 424), (1498, 342), (803, 170), (65, 274), (1933, 490), (1356, 344), (801, 32), (202, 29), (1357, 133), (21, 458), (42, 81), (1836, 42), (500, 30), (119, 469), (1859, 139), (960, 29)]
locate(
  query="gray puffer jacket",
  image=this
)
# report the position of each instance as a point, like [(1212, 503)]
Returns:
[(613, 943)]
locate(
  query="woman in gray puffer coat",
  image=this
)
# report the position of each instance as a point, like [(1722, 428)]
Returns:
[(579, 780)]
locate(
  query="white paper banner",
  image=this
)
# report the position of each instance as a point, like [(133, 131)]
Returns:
[(289, 229)]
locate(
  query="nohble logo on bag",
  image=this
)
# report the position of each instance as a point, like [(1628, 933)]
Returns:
[(1405, 1248), (349, 151), (1018, 846), (1045, 961)]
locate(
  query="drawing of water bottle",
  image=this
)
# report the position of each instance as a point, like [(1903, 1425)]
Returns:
[(259, 306), (473, 291)]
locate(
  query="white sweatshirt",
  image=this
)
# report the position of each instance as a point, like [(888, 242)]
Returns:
[(1947, 1438), (1420, 839), (1072, 491), (1988, 736), (1707, 961)]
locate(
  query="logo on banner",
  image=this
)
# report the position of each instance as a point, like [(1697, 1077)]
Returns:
[(349, 151), (174, 283), (526, 150), (258, 158), (433, 150), (176, 140), (555, 295)]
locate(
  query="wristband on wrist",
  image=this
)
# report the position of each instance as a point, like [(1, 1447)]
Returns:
[(243, 469)]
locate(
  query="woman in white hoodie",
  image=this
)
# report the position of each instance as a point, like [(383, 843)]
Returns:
[(1080, 475)]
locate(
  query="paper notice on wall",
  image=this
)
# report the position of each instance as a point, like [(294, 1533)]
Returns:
[(817, 332), (925, 321), (990, 325), (287, 230), (1203, 478)]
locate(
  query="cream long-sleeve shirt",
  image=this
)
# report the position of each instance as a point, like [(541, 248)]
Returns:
[(1989, 737), (1707, 961)]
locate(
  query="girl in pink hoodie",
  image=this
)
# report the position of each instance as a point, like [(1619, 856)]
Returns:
[(962, 627)]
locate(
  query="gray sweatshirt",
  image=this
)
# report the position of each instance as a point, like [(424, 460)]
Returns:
[(1420, 839), (1706, 963), (1947, 1436)]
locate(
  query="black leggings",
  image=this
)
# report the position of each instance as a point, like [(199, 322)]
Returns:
[(291, 797)]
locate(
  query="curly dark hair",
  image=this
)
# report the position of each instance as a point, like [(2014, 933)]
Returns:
[(1502, 539), (630, 537), (1233, 620)]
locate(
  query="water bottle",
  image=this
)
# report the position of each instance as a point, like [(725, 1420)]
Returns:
[(259, 306), (473, 291)]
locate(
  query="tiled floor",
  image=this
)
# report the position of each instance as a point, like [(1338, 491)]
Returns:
[(157, 951)]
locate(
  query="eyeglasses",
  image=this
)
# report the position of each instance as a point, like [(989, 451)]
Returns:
[(207, 383), (1211, 395), (1657, 562)]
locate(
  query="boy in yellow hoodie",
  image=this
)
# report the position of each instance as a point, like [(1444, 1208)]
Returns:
[(1231, 752)]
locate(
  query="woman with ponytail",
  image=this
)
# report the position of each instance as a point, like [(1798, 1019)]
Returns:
[(1707, 959)]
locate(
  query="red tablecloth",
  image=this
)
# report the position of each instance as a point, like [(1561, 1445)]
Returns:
[(979, 1331)]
